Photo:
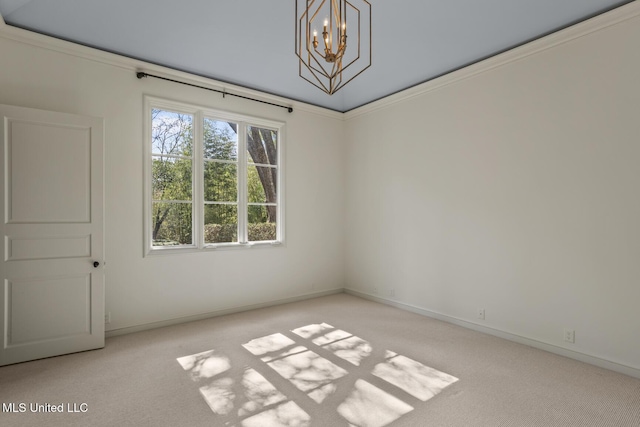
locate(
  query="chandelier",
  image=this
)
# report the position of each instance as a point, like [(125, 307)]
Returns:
[(321, 41)]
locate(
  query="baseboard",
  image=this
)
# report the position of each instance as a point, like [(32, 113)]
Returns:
[(222, 312), (576, 355)]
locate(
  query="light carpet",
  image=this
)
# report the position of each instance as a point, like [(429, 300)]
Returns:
[(331, 361)]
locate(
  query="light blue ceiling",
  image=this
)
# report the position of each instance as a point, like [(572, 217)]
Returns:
[(251, 42)]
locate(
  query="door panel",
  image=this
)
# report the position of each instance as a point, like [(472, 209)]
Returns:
[(38, 192), (48, 247), (52, 297), (53, 307)]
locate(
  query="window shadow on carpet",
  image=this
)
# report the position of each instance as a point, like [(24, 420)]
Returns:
[(343, 374)]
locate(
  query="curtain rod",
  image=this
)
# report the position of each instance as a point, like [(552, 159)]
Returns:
[(141, 75)]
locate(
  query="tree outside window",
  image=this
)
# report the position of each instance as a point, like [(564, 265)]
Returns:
[(213, 180)]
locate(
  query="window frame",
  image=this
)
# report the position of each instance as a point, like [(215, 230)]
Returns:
[(197, 181)]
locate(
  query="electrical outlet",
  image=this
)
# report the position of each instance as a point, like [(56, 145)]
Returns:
[(481, 313), (107, 318), (569, 336), (392, 292)]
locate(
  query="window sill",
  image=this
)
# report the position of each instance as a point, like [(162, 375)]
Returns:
[(164, 250)]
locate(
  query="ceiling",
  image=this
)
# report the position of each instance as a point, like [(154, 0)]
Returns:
[(250, 43)]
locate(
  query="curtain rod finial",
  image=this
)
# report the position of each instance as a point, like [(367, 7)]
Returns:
[(140, 74)]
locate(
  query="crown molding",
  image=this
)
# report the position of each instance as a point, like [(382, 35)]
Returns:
[(134, 65), (608, 19)]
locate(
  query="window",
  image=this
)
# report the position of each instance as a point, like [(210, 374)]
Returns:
[(212, 179)]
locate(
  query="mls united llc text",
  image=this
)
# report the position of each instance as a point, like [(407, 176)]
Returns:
[(45, 407)]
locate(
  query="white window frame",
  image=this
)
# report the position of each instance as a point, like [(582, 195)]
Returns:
[(199, 114)]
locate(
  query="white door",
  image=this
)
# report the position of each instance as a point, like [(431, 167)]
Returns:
[(51, 178)]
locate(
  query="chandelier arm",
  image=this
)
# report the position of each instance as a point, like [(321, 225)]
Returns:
[(353, 77), (320, 70), (320, 84)]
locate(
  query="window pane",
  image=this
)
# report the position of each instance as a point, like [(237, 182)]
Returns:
[(262, 145), (262, 223), (171, 224), (220, 182), (220, 223), (262, 184), (220, 140), (171, 133), (171, 178), (205, 174)]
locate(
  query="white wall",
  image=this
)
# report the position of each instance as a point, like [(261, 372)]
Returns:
[(514, 189), (142, 290)]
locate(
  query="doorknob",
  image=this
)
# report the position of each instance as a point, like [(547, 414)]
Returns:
[(96, 264)]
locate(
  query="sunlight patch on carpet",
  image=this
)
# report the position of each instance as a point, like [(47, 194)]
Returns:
[(330, 337), (203, 365), (219, 395), (242, 396), (309, 372), (268, 344), (259, 392), (320, 394), (369, 406), (413, 377), (354, 350), (311, 330), (343, 344), (286, 415)]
